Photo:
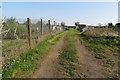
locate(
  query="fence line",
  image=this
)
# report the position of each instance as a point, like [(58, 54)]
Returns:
[(28, 35)]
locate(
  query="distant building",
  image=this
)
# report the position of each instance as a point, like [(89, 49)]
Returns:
[(117, 28), (54, 27), (57, 28), (81, 27), (71, 27)]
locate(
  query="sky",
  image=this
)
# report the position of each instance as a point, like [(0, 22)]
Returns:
[(90, 13), (119, 11), (59, 0)]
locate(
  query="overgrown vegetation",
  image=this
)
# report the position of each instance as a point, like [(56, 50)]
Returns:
[(13, 29), (9, 43), (102, 46), (100, 56), (8, 46), (68, 56), (27, 61)]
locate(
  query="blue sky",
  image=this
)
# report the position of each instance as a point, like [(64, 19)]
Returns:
[(69, 12), (119, 12)]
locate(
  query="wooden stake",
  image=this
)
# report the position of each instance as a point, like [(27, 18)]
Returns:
[(54, 23), (41, 28), (29, 32), (49, 26)]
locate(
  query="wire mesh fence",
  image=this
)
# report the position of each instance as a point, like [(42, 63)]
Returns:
[(19, 35)]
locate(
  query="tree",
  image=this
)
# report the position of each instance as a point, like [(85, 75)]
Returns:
[(110, 25), (77, 23), (14, 28), (63, 24), (11, 25)]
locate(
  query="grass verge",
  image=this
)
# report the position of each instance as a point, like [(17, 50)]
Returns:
[(28, 60)]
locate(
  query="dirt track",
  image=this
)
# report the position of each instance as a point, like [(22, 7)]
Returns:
[(50, 66), (89, 66)]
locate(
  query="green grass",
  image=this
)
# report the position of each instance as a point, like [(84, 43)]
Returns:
[(116, 54), (110, 62), (28, 60), (101, 44), (100, 56), (68, 56), (56, 37)]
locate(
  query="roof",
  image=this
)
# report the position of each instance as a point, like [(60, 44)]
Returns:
[(117, 24)]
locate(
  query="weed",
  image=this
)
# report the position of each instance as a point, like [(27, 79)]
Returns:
[(100, 56), (101, 44), (116, 54), (110, 62)]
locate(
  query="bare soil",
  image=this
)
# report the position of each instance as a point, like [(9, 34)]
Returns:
[(49, 67)]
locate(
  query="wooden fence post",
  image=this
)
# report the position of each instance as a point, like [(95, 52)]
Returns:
[(41, 28), (49, 26), (29, 32)]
